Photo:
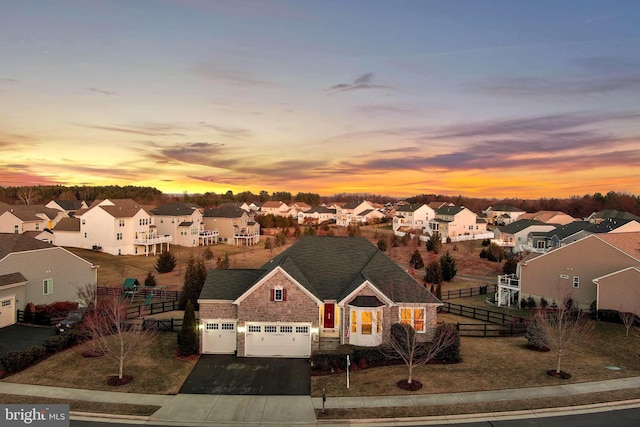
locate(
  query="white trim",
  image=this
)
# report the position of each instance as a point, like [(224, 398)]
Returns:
[(357, 290), (14, 285), (200, 301), (269, 276), (614, 273), (51, 248)]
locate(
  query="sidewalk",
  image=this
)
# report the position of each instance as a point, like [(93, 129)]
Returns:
[(219, 410)]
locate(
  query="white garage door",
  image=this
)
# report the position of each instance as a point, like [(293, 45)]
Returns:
[(7, 311), (219, 336), (278, 339)]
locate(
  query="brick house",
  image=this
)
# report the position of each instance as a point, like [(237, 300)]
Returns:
[(295, 304)]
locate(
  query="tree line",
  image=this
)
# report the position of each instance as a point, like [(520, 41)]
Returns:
[(576, 206)]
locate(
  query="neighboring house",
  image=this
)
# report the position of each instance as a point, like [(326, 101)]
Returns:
[(549, 217), (20, 219), (597, 217), (574, 267), (562, 235), (115, 226), (38, 272), (347, 213), (437, 205), (274, 207), (502, 214), (455, 221), (70, 207), (317, 215), (320, 292), (614, 225), (298, 207), (233, 224), (414, 216), (183, 222), (619, 291), (369, 216), (515, 236)]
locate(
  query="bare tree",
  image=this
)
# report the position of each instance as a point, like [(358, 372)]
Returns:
[(406, 344), (113, 333), (28, 195), (628, 319), (560, 330)]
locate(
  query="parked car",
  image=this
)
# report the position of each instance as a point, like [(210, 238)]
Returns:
[(72, 321)]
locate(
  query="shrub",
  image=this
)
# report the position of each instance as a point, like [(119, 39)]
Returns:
[(326, 361), (448, 266), (208, 254), (14, 361), (486, 242), (483, 254), (150, 280), (166, 262), (610, 316), (188, 335), (450, 354), (56, 343), (416, 260), (543, 303), (523, 304), (382, 244), (531, 303), (29, 313)]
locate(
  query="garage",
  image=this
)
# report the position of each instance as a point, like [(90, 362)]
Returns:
[(278, 339), (7, 311), (219, 336)]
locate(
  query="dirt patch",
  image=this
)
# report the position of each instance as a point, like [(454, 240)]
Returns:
[(414, 385), (116, 381), (560, 375)]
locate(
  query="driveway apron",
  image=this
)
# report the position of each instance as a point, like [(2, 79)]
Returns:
[(223, 374), (21, 337)]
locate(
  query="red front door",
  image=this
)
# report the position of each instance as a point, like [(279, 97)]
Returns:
[(329, 315)]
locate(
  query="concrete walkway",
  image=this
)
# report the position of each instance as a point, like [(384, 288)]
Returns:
[(218, 410)]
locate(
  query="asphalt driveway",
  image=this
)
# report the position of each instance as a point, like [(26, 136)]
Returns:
[(21, 337), (228, 374)]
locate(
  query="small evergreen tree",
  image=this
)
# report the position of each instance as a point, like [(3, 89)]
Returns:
[(448, 265), (434, 244), (166, 262), (194, 277), (208, 254), (188, 335), (150, 280), (268, 243), (382, 244), (416, 260), (226, 262), (433, 273)]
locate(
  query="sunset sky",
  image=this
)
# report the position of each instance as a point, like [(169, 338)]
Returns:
[(480, 98)]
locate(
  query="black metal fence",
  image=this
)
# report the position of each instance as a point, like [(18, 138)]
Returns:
[(468, 292)]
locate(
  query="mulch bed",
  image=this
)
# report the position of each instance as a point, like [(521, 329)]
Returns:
[(536, 348), (414, 385), (116, 381), (561, 375), (92, 353)]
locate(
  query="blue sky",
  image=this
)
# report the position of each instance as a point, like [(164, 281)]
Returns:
[(494, 99)]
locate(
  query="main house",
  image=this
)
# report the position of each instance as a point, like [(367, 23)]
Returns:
[(320, 291), (456, 221), (413, 216), (38, 272)]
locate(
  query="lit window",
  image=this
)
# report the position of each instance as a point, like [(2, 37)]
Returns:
[(366, 328), (354, 321), (414, 317)]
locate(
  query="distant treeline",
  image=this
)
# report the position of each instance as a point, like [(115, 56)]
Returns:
[(576, 206)]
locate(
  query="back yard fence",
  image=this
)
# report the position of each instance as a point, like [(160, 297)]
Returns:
[(469, 292)]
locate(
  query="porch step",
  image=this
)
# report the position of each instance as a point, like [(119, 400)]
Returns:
[(329, 343)]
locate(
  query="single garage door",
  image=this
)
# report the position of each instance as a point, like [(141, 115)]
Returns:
[(7, 311), (219, 336), (278, 339)]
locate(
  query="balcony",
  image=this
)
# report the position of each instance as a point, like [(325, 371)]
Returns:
[(152, 240), (509, 281)]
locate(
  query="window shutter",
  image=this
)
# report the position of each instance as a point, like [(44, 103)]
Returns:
[(284, 295), (273, 293)]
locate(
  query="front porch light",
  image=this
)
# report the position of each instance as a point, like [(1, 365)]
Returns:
[(242, 329)]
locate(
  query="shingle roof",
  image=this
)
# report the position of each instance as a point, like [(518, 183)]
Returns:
[(612, 213), (30, 212), (329, 268), (174, 209), (449, 210), (519, 225), (11, 279), (321, 209), (69, 205), (564, 231), (506, 208), (410, 208), (607, 225), (10, 243), (225, 212), (67, 224)]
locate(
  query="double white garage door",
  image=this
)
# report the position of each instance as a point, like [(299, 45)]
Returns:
[(262, 339), (278, 339)]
